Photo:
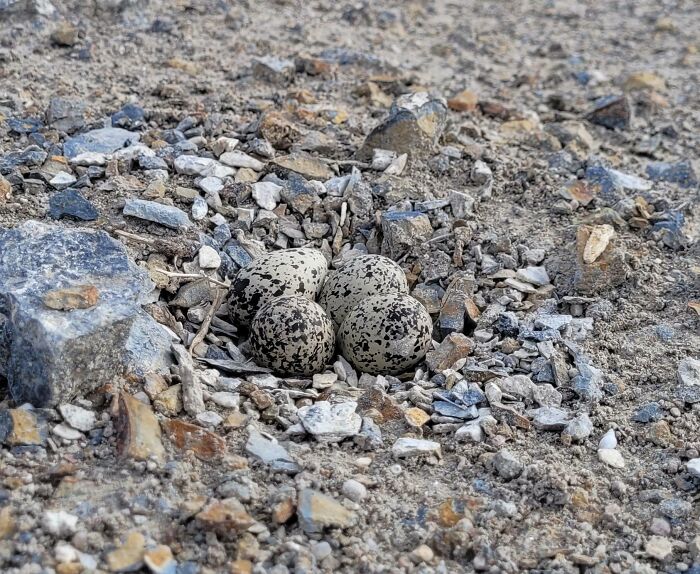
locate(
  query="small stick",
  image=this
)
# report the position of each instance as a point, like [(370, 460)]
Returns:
[(192, 276), (199, 337), (139, 238)]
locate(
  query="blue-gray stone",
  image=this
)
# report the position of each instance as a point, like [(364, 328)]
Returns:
[(680, 172), (66, 114), (33, 156), (612, 112), (152, 162), (271, 453), (587, 384), (130, 117), (648, 413), (671, 230), (70, 203), (50, 356), (447, 409), (103, 140), (166, 215), (24, 125)]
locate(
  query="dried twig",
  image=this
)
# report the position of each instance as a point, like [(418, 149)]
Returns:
[(193, 276), (199, 337)]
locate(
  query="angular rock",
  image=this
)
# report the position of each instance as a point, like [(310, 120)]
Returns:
[(53, 356), (404, 229), (454, 347), (458, 312), (330, 422), (580, 428), (224, 515), (78, 417), (103, 140), (130, 117), (167, 215), (606, 267), (611, 457), (689, 372), (612, 112), (303, 164), (317, 511), (128, 557), (408, 447), (681, 173), (159, 560), (66, 114), (271, 453), (204, 444), (267, 194), (71, 203), (550, 418), (21, 427), (414, 125), (138, 431)]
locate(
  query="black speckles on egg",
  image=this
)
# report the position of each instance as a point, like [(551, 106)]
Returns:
[(386, 334), (361, 277), (293, 336), (286, 272)]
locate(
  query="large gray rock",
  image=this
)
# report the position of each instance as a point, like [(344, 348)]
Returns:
[(51, 356), (103, 140)]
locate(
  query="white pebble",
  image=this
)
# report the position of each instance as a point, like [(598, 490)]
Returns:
[(199, 208), (78, 417), (354, 490), (226, 399), (60, 523), (609, 440), (694, 467), (209, 419), (209, 258), (611, 457)]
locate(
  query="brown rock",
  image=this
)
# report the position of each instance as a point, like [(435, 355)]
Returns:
[(69, 568), (235, 420), (138, 431), (376, 398), (241, 567), (465, 101), (509, 415), (612, 112), (65, 35), (416, 417), (20, 427), (204, 444), (7, 523), (159, 559), (454, 347), (169, 402), (128, 556), (303, 164), (283, 510), (225, 515), (278, 130), (70, 298), (645, 81), (581, 190), (5, 190), (458, 313), (317, 511)]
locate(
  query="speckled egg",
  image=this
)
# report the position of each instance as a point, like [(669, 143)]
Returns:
[(361, 277), (286, 272), (386, 334), (292, 336)]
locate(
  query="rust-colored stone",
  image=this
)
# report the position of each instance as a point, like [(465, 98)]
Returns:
[(138, 431), (225, 515), (204, 444), (465, 101)]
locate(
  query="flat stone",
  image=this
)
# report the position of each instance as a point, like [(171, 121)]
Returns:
[(70, 203), (128, 557), (271, 453), (225, 515), (557, 322), (405, 447), (204, 166), (62, 180), (648, 413), (78, 417), (21, 427), (226, 399), (208, 258), (184, 436), (138, 431), (302, 195), (103, 140), (550, 418), (54, 356), (534, 275), (239, 159), (659, 547), (317, 511), (416, 417), (611, 457), (330, 422), (167, 215), (67, 432), (66, 114), (454, 347), (304, 164), (413, 126), (681, 173)]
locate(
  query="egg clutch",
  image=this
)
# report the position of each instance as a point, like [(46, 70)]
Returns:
[(296, 311)]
